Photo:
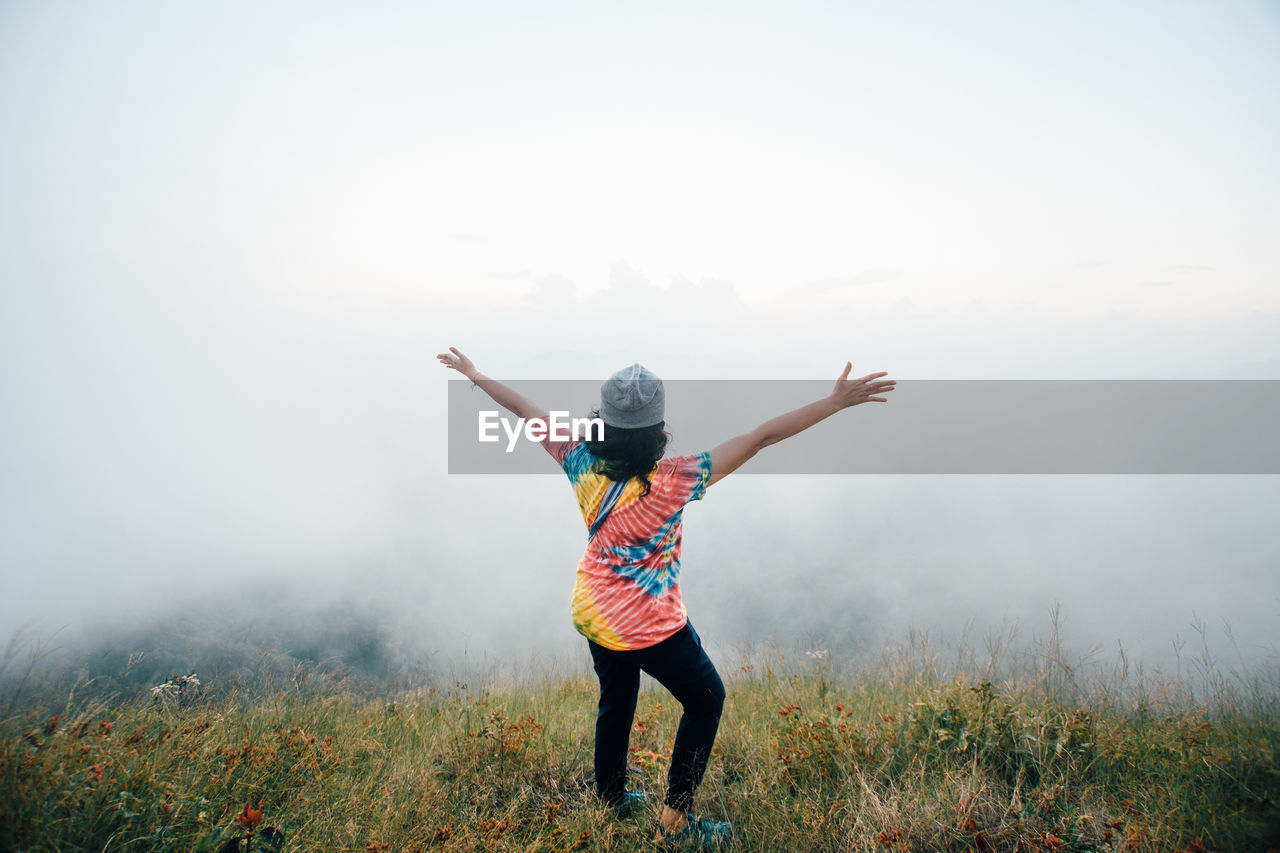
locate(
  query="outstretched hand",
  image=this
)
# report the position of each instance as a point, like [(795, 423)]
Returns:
[(851, 392), (459, 362)]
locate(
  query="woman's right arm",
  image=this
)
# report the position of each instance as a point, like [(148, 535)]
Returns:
[(729, 456)]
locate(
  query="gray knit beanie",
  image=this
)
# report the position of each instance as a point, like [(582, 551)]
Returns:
[(632, 398)]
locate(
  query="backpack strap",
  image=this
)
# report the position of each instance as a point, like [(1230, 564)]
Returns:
[(607, 504)]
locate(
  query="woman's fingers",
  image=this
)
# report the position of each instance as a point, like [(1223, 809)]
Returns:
[(848, 366), (453, 358)]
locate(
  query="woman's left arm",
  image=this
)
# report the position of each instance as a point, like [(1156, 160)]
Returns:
[(507, 398)]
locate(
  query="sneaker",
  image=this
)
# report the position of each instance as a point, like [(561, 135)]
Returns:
[(632, 800), (700, 831)]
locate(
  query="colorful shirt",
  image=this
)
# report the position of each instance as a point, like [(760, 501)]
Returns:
[(627, 593)]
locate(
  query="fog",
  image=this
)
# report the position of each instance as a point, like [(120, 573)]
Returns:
[(233, 241)]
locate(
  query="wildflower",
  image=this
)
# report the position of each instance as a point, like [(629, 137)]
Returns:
[(105, 727), (890, 838), (96, 772), (250, 817), (1053, 841), (176, 689), (52, 726), (888, 718)]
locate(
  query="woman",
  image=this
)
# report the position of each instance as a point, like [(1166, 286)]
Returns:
[(626, 600)]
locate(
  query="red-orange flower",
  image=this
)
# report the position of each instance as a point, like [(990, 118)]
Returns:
[(890, 838), (1052, 840), (96, 771), (105, 726), (250, 817), (52, 726)]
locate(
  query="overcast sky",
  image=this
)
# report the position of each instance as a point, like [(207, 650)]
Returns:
[(233, 236)]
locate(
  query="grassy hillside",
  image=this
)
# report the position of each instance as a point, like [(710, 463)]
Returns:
[(900, 759)]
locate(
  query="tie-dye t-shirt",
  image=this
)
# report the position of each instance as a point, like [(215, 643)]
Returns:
[(627, 594)]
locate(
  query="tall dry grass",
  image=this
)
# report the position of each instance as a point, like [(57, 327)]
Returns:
[(1006, 747)]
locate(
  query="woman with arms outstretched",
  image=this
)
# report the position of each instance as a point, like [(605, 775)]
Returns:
[(626, 600)]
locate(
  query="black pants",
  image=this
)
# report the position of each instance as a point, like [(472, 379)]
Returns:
[(679, 664)]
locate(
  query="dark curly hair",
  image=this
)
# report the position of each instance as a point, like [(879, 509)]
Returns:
[(622, 453)]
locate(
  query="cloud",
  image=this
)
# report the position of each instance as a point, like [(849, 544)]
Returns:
[(831, 285), (553, 291), (627, 279), (630, 290)]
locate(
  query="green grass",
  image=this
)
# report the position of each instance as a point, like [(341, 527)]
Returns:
[(807, 759)]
